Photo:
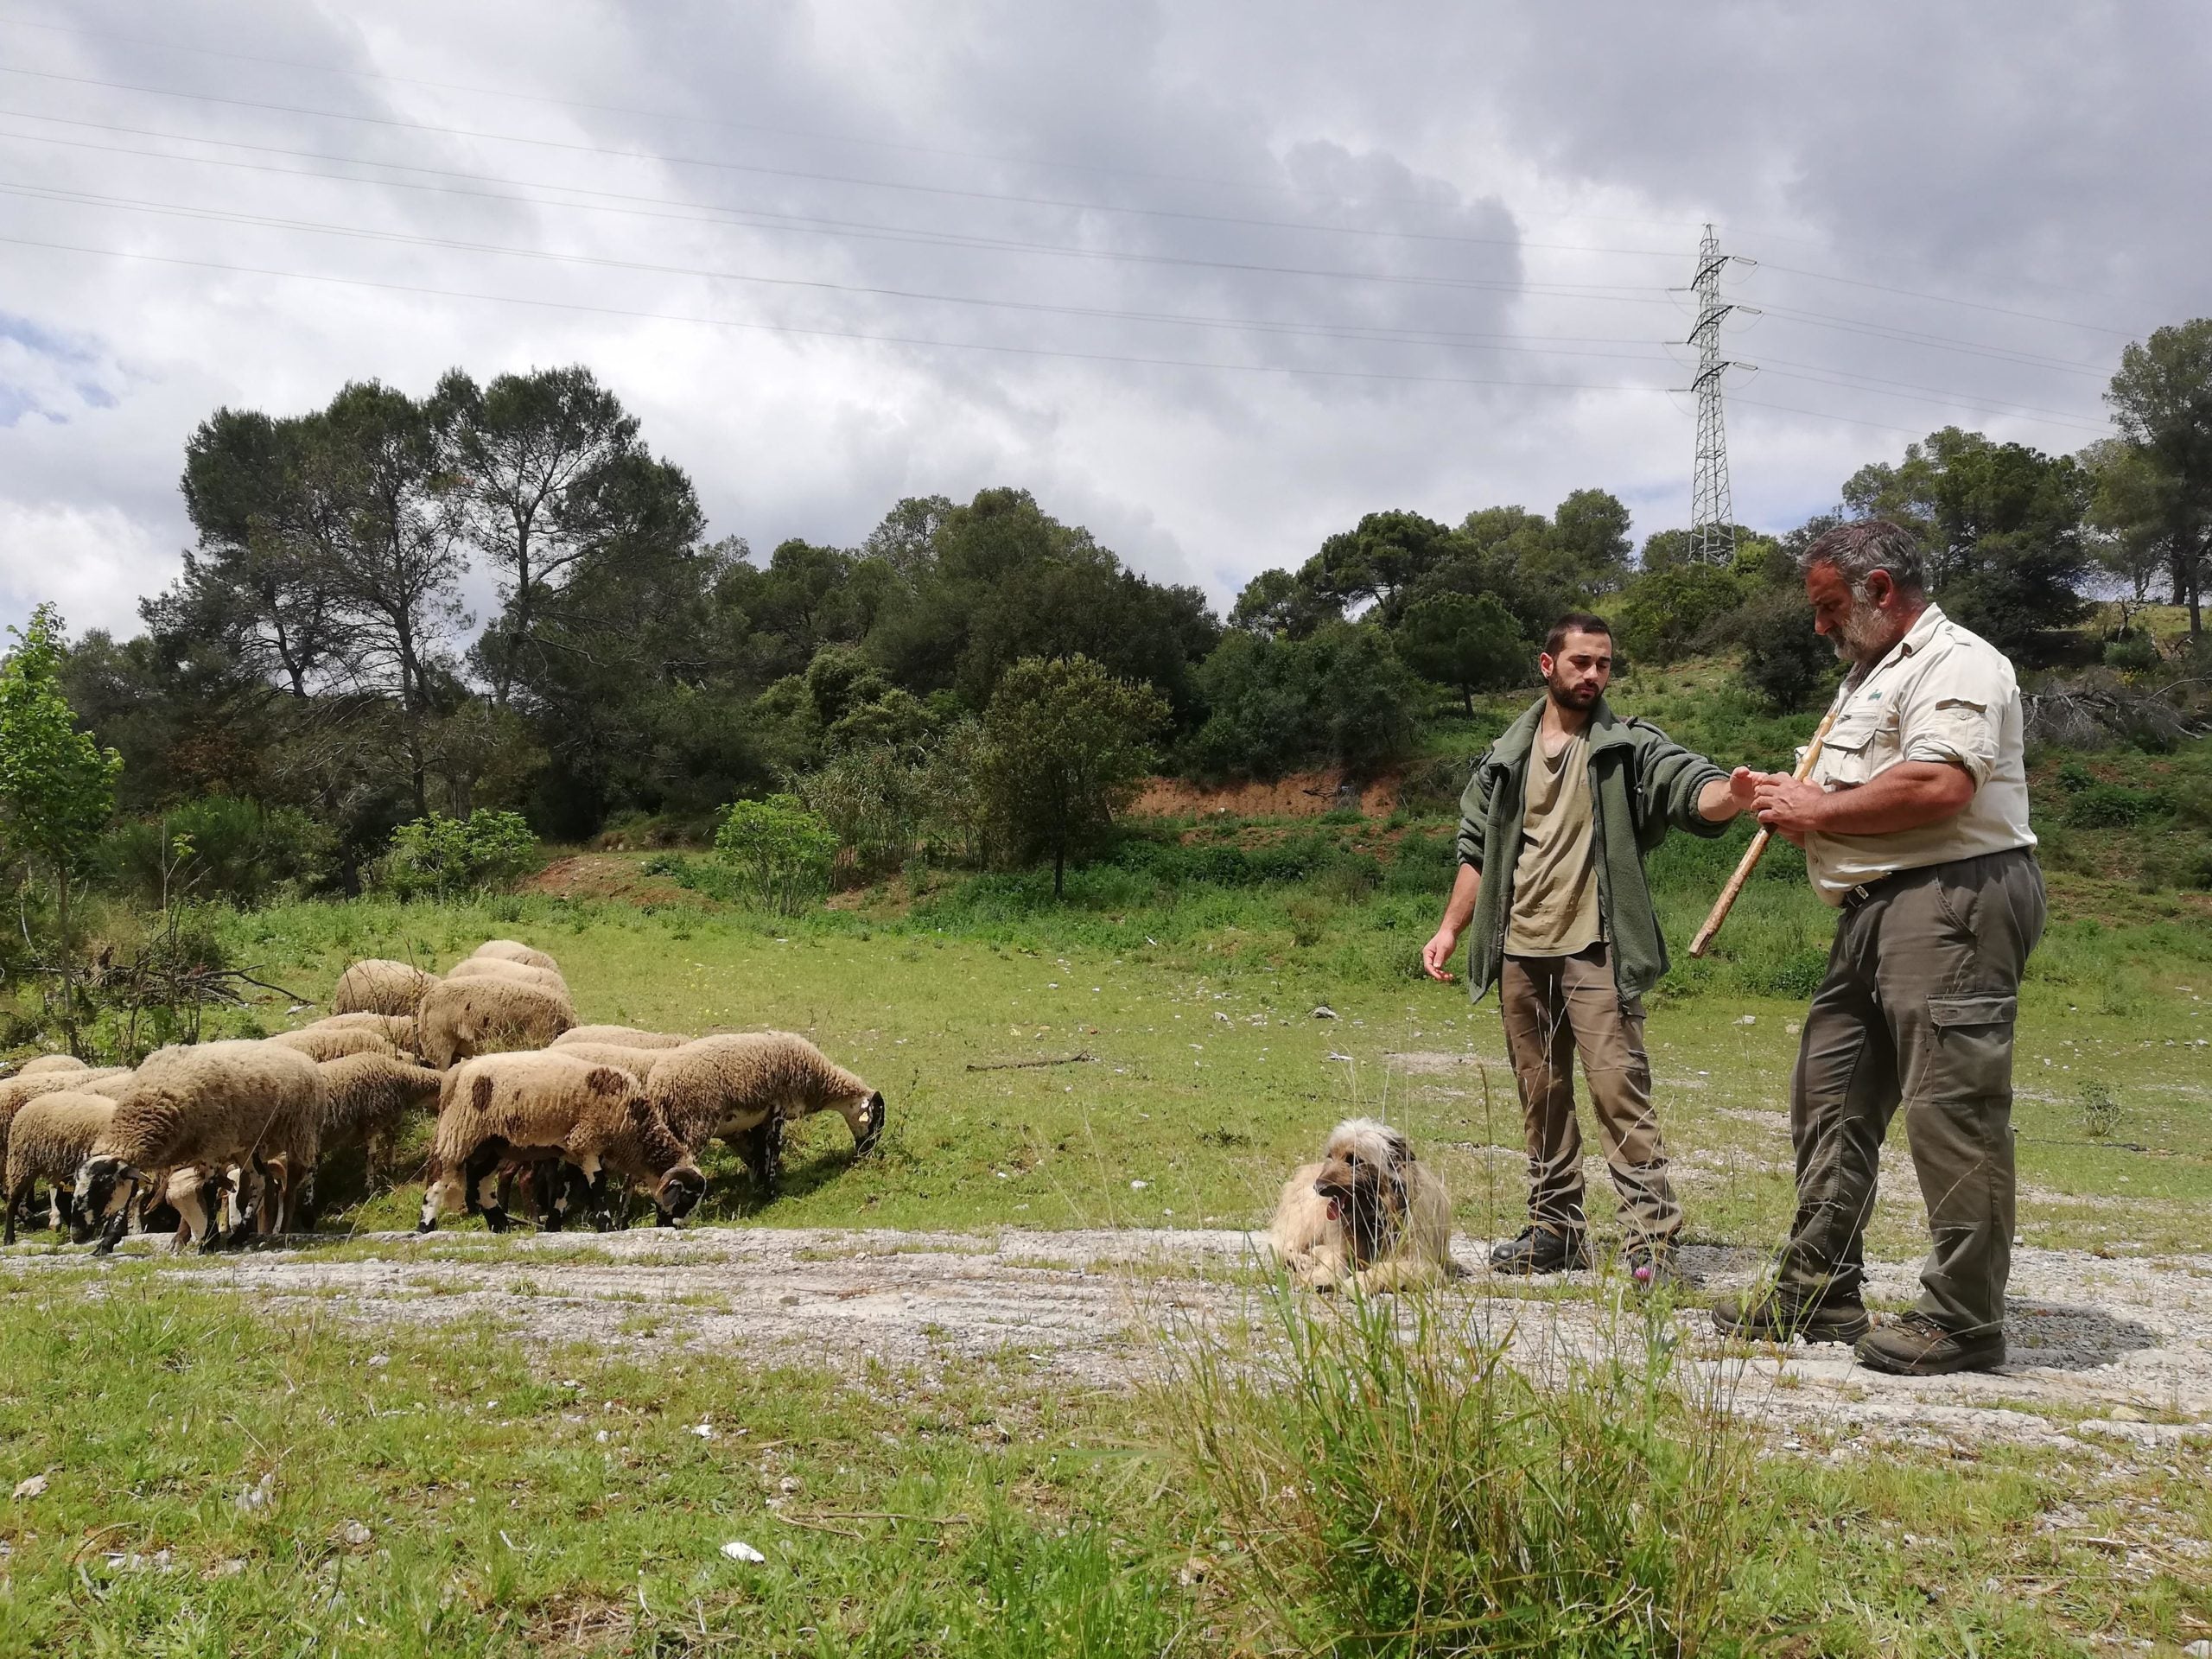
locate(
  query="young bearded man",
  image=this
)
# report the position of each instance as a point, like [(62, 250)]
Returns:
[(1554, 828), (1915, 826)]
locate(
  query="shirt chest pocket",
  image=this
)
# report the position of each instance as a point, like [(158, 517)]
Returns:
[(1861, 743)]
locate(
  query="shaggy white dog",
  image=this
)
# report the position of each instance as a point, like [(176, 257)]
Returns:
[(1368, 1215)]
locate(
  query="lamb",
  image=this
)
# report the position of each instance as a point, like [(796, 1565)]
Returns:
[(398, 1029), (499, 967), (254, 1103), (52, 1135), (321, 1043), (744, 1088), (1367, 1216), (379, 985), (594, 1116), (46, 1064), (515, 950), (621, 1036), (463, 1018)]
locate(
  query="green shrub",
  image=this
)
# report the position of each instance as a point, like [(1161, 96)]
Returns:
[(2133, 654), (2073, 777), (444, 858), (780, 853), (222, 848), (2111, 806)]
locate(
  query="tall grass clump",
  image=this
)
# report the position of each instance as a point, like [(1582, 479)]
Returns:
[(1387, 1478)]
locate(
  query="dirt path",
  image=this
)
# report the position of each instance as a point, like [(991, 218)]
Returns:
[(2086, 1336)]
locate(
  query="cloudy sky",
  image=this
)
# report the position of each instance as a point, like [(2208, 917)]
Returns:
[(1213, 280)]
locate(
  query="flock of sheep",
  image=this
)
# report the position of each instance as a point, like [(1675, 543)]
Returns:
[(220, 1140)]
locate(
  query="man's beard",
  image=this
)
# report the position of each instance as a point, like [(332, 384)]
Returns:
[(1863, 636), (1570, 697)]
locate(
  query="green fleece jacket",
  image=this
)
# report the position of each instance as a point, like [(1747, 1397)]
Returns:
[(1641, 785)]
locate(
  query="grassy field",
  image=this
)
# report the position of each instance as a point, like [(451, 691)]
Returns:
[(1151, 1052)]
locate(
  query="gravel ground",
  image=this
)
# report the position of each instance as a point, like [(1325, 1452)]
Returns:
[(2100, 1350)]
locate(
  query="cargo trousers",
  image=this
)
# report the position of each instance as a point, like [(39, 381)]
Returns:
[(1552, 1006), (1918, 1009)]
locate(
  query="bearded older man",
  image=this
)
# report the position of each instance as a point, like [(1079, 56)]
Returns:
[(1915, 823)]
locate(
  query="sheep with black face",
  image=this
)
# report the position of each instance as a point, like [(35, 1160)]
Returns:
[(1368, 1215)]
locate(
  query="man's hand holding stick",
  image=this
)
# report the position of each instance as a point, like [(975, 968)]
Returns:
[(1766, 783)]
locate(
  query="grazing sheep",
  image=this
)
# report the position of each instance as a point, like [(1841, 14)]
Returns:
[(463, 1018), (620, 1036), (195, 1194), (20, 1090), (1367, 1215), (398, 1029), (370, 1097), (744, 1088), (52, 1135), (47, 1065), (379, 985), (547, 1103), (321, 1043), (498, 968), (515, 950), (253, 1104), (636, 1061)]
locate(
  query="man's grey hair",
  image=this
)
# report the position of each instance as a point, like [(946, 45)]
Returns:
[(1857, 551)]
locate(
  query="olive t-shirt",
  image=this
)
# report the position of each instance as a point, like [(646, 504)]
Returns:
[(1555, 875)]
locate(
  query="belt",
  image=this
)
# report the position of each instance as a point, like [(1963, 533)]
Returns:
[(1859, 895)]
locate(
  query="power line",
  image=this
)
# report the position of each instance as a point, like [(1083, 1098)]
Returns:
[(710, 213), (588, 308), (1712, 518), (808, 176), (1245, 186), (1431, 339)]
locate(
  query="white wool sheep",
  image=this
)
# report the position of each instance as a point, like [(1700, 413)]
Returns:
[(744, 1088), (398, 1029), (370, 1094), (51, 1136), (45, 1064), (1368, 1215), (379, 985), (638, 1062), (500, 968), (326, 1043), (18, 1091), (548, 1103), (620, 1036), (463, 1018), (515, 950), (254, 1103)]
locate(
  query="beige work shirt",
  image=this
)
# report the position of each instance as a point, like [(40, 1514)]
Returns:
[(1942, 694), (1555, 873)]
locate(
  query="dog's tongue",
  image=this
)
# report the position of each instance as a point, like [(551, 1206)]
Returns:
[(1334, 1214)]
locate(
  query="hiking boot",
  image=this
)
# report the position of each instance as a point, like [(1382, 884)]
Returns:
[(1651, 1263), (1777, 1314), (1912, 1344), (1541, 1250)]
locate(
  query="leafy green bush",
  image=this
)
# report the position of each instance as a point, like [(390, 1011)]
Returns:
[(1666, 613), (2073, 777), (1342, 697), (2133, 654), (1786, 663), (219, 847), (2112, 806), (780, 852), (443, 858)]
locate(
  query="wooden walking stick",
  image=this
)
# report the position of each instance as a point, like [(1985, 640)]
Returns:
[(1753, 853)]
